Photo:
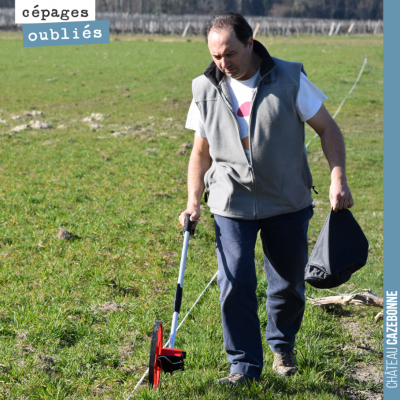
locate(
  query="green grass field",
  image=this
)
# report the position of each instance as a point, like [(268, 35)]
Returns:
[(119, 188)]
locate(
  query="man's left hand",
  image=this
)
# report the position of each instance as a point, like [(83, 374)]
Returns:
[(340, 195)]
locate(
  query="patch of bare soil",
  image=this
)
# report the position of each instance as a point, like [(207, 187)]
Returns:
[(132, 369), (367, 374), (109, 306), (22, 338), (20, 128), (159, 287), (100, 390), (361, 395), (27, 348), (150, 150), (40, 125), (46, 364), (127, 351)]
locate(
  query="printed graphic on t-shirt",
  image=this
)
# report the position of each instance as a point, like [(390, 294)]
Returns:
[(244, 109), (308, 102), (241, 93)]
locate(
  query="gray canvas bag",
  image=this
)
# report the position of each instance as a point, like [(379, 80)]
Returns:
[(341, 250)]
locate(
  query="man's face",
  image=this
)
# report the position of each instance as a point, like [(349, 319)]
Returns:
[(230, 55)]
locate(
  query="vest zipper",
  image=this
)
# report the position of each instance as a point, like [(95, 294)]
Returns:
[(244, 153), (251, 154), (237, 125), (238, 129)]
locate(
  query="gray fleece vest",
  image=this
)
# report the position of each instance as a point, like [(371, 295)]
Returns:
[(278, 180)]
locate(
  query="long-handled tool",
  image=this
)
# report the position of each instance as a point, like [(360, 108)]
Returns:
[(169, 359)]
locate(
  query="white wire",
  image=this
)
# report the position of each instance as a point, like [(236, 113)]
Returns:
[(348, 94), (138, 384), (208, 285), (183, 320)]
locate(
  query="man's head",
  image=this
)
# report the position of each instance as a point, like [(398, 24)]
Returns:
[(230, 41)]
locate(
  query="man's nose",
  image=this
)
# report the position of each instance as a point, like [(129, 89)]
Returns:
[(224, 62)]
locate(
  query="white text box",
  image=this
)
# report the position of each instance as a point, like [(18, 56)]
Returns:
[(42, 11)]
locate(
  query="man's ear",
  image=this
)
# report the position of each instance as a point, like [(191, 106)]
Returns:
[(250, 42)]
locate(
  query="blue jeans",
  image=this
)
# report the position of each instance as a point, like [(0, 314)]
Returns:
[(285, 247)]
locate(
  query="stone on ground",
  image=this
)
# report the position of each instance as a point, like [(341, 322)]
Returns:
[(187, 145), (99, 116), (151, 150), (40, 125), (20, 128), (64, 234), (109, 306), (117, 134)]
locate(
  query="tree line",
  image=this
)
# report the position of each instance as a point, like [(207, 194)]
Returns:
[(338, 9)]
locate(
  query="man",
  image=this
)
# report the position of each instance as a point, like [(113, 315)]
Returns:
[(248, 111)]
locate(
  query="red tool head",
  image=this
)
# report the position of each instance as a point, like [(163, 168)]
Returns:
[(167, 360), (155, 351)]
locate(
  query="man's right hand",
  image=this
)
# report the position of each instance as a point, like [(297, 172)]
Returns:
[(194, 216)]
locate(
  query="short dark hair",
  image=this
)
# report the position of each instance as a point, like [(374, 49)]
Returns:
[(235, 21)]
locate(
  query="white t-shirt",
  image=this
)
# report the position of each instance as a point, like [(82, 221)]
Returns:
[(308, 102)]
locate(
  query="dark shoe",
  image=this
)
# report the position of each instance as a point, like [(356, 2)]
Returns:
[(285, 364), (235, 380)]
